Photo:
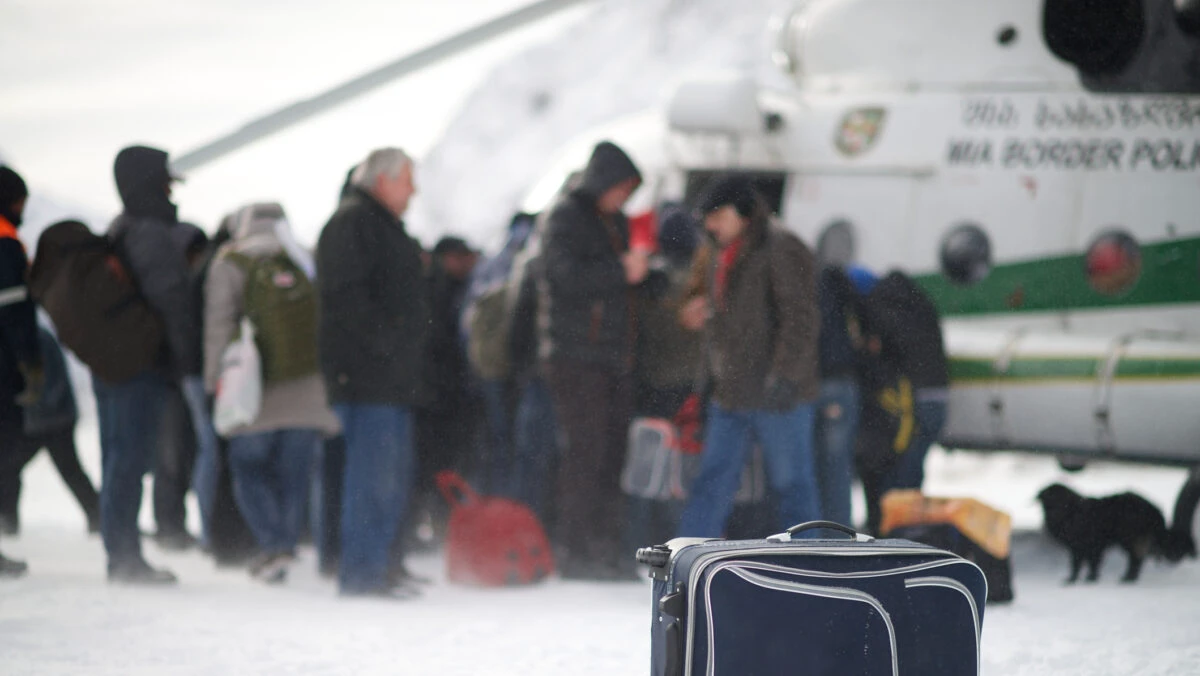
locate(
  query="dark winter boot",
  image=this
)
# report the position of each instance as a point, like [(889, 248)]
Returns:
[(11, 568), (140, 573)]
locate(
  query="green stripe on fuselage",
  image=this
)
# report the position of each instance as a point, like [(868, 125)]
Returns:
[(973, 371), (1170, 276)]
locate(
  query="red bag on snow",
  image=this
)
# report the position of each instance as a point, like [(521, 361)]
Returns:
[(492, 542)]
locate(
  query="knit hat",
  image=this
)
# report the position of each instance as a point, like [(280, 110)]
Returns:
[(736, 190), (679, 235), (12, 190)]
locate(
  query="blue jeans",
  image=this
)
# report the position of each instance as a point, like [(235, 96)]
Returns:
[(786, 441), (130, 415), (909, 470), (833, 446), (270, 483), (204, 474), (535, 445), (377, 480)]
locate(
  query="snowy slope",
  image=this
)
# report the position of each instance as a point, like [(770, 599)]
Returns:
[(620, 60), (63, 618)]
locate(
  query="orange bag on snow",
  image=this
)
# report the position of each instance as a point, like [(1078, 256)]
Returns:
[(492, 542)]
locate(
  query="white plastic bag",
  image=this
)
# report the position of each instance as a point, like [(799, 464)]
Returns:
[(239, 389)]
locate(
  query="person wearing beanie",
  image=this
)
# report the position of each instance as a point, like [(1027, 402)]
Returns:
[(586, 344), (131, 412), (20, 362), (667, 354), (754, 295)]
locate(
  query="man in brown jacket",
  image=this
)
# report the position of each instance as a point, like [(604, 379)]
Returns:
[(755, 296)]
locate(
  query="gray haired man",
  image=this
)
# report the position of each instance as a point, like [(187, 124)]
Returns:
[(374, 320)]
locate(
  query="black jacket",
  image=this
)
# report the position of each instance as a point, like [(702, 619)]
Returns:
[(146, 239), (374, 306), (449, 376), (18, 328), (907, 323), (840, 324), (586, 305)]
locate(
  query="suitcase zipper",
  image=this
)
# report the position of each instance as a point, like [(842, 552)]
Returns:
[(950, 583), (840, 593), (770, 568)]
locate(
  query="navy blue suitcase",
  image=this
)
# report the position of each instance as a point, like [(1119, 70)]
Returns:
[(807, 606)]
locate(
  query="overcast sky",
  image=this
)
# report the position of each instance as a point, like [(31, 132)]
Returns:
[(83, 78)]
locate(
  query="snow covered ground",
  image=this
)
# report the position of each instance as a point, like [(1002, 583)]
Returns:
[(64, 619)]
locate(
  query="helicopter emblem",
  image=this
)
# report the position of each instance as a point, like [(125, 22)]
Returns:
[(859, 130)]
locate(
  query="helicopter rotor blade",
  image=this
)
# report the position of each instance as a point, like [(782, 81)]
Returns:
[(302, 110)]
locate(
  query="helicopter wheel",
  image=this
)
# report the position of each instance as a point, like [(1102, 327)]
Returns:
[(1071, 464)]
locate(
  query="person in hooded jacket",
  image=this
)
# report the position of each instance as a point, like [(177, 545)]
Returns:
[(130, 413), (271, 458), (586, 343), (21, 374)]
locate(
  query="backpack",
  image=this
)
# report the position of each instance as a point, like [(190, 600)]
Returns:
[(281, 303), (488, 323), (900, 312), (98, 312)]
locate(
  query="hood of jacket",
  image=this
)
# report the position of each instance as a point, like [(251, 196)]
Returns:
[(255, 220), (142, 177), (608, 166)]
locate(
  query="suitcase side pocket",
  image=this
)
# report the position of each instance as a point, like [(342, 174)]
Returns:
[(949, 593), (840, 627)]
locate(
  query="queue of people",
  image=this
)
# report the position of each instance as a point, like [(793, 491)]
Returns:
[(379, 364)]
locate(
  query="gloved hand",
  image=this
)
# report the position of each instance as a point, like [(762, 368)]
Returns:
[(35, 382), (782, 395)]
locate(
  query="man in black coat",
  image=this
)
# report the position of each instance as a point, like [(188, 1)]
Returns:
[(586, 343), (372, 336), (130, 412), (20, 359)]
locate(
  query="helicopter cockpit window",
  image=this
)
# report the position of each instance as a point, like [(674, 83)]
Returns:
[(835, 245), (1113, 263), (966, 254)]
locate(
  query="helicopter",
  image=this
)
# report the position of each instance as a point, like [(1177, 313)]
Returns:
[(1033, 164)]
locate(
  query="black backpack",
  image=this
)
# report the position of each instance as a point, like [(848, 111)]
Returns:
[(903, 316), (97, 310)]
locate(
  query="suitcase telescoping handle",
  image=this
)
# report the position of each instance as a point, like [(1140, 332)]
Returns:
[(786, 536)]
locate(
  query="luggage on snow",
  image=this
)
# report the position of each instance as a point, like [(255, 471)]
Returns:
[(965, 526), (492, 542), (838, 606)]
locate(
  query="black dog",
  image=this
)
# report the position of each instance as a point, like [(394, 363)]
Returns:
[(1088, 526)]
